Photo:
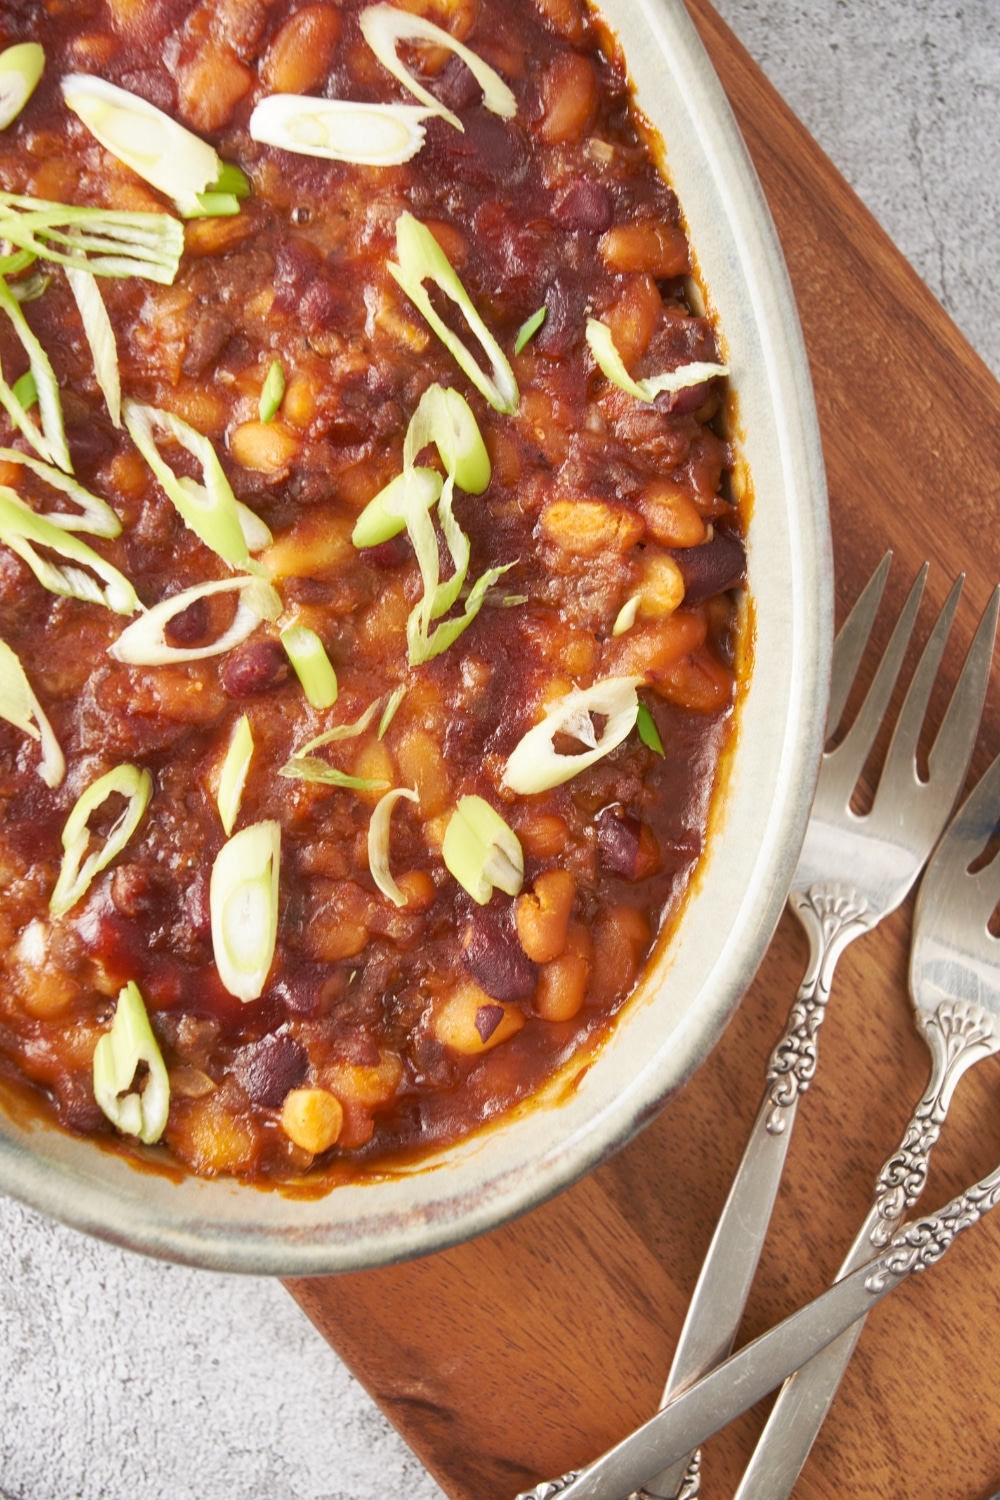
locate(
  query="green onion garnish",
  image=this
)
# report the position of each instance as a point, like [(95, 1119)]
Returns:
[(20, 707), (648, 732), (233, 776), (272, 393), (243, 899), (482, 851), (313, 667), (20, 69), (100, 336), (535, 765), (384, 26), (232, 181), (625, 618), (25, 391), (102, 240), (50, 442), (389, 713), (208, 508), (378, 843), (144, 643), (313, 768), (611, 364), (422, 259), (120, 1051), (77, 873), (385, 516), (22, 530), (341, 731), (444, 417), (369, 135), (98, 518), (529, 328)]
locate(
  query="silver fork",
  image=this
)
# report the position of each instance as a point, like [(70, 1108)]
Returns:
[(852, 872), (955, 988)]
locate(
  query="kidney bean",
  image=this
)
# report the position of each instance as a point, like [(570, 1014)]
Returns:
[(494, 957), (189, 626), (253, 667), (270, 1068), (562, 331), (682, 403), (585, 205), (713, 567), (627, 847), (391, 554)]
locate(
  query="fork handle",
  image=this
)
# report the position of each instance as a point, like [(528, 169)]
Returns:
[(832, 916), (958, 1036)]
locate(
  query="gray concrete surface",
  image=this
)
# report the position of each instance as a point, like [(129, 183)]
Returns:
[(121, 1377)]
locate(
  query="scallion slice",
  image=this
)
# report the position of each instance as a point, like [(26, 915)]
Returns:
[(389, 712), (314, 768), (50, 442), (422, 259), (256, 533), (425, 644), (20, 707), (22, 531), (529, 328), (342, 731), (144, 643), (158, 148), (313, 667), (232, 778), (272, 392), (100, 336), (105, 241), (208, 508), (444, 417), (648, 732), (119, 1053), (384, 27), (534, 764), (385, 516), (482, 851), (378, 843), (76, 872), (20, 69), (98, 519), (25, 391), (243, 900), (611, 364), (625, 618), (368, 135)]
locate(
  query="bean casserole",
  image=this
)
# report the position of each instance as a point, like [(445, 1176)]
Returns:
[(370, 570)]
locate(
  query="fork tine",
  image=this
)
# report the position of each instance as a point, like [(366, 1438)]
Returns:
[(900, 760), (966, 838), (852, 638), (955, 739)]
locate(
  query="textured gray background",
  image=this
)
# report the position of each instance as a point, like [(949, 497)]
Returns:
[(123, 1377)]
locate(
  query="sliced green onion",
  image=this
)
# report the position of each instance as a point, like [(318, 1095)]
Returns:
[(208, 508), (611, 364), (648, 732), (378, 843), (22, 530), (272, 393), (13, 265), (233, 776), (243, 900), (20, 69), (313, 768), (383, 27), (625, 618), (100, 337), (535, 766), (232, 181), (385, 516), (156, 147), (529, 328), (256, 533), (422, 259), (444, 417), (120, 1051), (98, 518), (482, 851), (77, 873), (144, 643), (20, 707), (389, 713), (369, 135), (341, 731), (313, 667), (25, 391), (105, 241), (29, 288), (424, 645), (50, 442)]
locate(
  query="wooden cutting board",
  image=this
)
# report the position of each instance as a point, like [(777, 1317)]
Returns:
[(527, 1352)]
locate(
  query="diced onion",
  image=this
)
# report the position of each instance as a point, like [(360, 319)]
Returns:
[(385, 516), (20, 69), (444, 417), (77, 873), (50, 442), (611, 364), (535, 766), (160, 150), (22, 530), (383, 27), (482, 851), (272, 393), (108, 242), (243, 899), (378, 843), (144, 643), (208, 508), (119, 1052), (369, 135), (100, 337), (313, 667), (98, 518), (20, 707), (422, 259), (233, 776)]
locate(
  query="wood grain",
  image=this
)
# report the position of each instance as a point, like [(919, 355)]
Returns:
[(528, 1351)]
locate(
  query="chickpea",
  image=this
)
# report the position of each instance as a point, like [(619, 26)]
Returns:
[(212, 1139), (267, 447), (469, 1021), (562, 984), (312, 1119), (542, 915)]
